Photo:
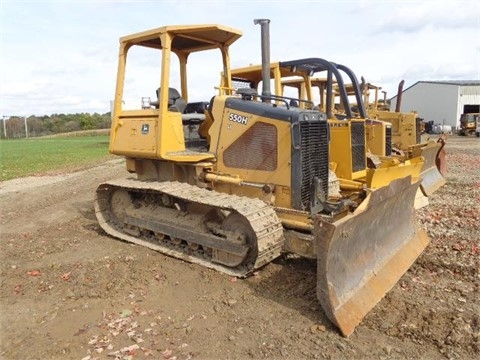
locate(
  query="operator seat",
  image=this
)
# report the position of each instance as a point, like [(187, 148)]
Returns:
[(175, 101)]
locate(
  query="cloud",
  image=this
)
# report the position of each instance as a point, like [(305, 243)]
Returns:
[(61, 57), (448, 71), (414, 17)]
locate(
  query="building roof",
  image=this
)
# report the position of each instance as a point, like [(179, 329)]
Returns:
[(445, 82), (453, 82)]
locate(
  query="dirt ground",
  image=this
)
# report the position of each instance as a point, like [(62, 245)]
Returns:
[(69, 291)]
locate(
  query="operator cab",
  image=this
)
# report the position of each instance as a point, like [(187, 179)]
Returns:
[(167, 127)]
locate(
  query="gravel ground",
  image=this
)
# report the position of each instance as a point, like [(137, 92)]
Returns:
[(69, 291)]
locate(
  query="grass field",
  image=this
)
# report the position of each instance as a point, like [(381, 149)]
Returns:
[(39, 156)]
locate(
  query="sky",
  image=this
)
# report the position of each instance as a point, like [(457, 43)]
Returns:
[(61, 56)]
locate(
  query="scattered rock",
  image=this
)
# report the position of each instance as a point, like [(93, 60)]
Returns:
[(388, 350), (230, 302), (341, 346), (317, 328)]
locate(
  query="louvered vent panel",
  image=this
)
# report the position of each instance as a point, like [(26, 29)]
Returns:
[(314, 135), (256, 149), (388, 141), (358, 146)]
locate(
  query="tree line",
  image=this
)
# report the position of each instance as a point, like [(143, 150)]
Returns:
[(15, 127)]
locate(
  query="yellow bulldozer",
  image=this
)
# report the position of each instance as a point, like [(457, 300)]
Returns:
[(369, 163), (406, 137), (469, 124), (253, 186), (401, 138)]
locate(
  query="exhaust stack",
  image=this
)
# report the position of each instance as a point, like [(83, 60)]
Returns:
[(265, 31), (399, 96)]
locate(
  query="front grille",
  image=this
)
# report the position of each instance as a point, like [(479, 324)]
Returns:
[(314, 158), (388, 141), (418, 130), (358, 146), (255, 149)]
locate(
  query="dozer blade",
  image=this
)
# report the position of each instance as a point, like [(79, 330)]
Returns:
[(420, 199), (380, 177), (441, 160), (377, 178), (361, 256), (432, 179)]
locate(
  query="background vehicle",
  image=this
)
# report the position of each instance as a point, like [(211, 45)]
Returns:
[(406, 130), (256, 184), (366, 163), (469, 124)]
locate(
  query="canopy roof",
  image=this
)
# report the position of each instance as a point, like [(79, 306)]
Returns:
[(186, 38)]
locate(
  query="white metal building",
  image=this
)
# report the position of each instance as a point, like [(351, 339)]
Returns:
[(440, 101)]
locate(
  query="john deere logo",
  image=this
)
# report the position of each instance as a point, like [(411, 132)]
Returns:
[(145, 128)]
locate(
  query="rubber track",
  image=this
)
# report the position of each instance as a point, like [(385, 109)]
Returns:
[(262, 218)]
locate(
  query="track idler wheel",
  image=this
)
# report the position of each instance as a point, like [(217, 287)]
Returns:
[(238, 230), (119, 202)]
